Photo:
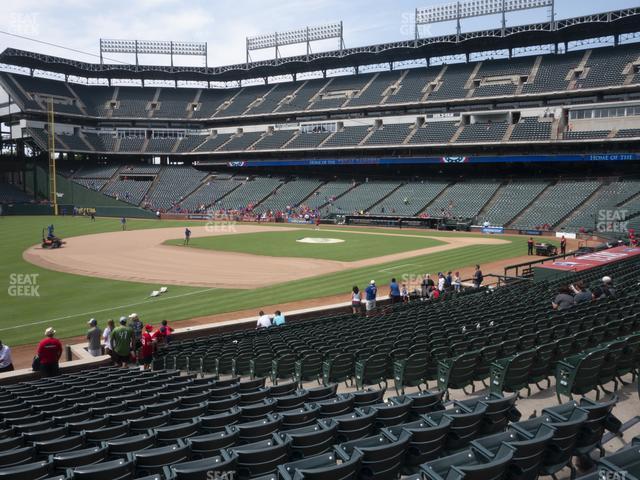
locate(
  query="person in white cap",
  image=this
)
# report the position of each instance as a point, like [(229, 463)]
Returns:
[(94, 338), (49, 352), (6, 364), (370, 296), (607, 287)]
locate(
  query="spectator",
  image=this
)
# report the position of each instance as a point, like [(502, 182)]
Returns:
[(6, 364), (122, 343), (146, 349), (441, 282), (457, 282), (49, 352), (448, 281), (394, 291), (607, 287), (582, 293), (164, 333), (597, 294), (563, 299), (106, 337), (263, 320), (370, 297), (435, 294), (278, 318), (405, 293), (94, 337), (427, 286), (136, 326), (477, 277), (356, 300)]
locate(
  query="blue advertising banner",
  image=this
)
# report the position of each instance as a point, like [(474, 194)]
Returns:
[(492, 229), (597, 157), (298, 220)]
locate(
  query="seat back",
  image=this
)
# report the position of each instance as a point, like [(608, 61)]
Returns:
[(457, 372), (371, 371), (579, 374), (411, 372), (339, 369)]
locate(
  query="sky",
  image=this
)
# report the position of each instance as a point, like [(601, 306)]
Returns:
[(224, 24)]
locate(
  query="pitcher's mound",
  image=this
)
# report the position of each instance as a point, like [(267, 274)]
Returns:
[(319, 240)]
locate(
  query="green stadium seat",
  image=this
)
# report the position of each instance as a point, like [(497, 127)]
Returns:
[(458, 372), (411, 372), (313, 439), (322, 467), (372, 371), (216, 466), (382, 455), (470, 464), (340, 368), (309, 368), (578, 374), (511, 374)]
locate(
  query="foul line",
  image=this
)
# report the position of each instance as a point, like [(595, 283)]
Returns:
[(106, 309)]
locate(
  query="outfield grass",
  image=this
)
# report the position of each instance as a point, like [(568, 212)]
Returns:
[(356, 246), (67, 301)]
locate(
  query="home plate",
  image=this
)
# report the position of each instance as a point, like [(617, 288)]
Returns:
[(319, 240)]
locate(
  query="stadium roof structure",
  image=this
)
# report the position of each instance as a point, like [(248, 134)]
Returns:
[(596, 25)]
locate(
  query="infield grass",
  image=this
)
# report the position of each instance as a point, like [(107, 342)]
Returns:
[(356, 246), (66, 301)]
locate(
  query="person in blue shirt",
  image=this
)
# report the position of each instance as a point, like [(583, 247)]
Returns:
[(394, 291), (370, 296), (278, 319), (448, 281), (50, 231), (123, 222), (187, 236)]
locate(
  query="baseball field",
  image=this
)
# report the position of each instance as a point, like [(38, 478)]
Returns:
[(104, 272)]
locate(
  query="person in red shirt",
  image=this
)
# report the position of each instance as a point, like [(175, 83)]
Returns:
[(163, 335), (146, 351), (49, 352)]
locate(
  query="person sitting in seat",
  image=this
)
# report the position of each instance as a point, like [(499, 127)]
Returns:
[(563, 300), (582, 293)]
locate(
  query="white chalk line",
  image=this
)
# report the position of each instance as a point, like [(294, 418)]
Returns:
[(106, 309)]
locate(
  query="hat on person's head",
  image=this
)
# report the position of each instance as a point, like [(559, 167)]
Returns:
[(123, 320), (606, 279), (148, 328), (93, 322), (49, 332), (133, 316)]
